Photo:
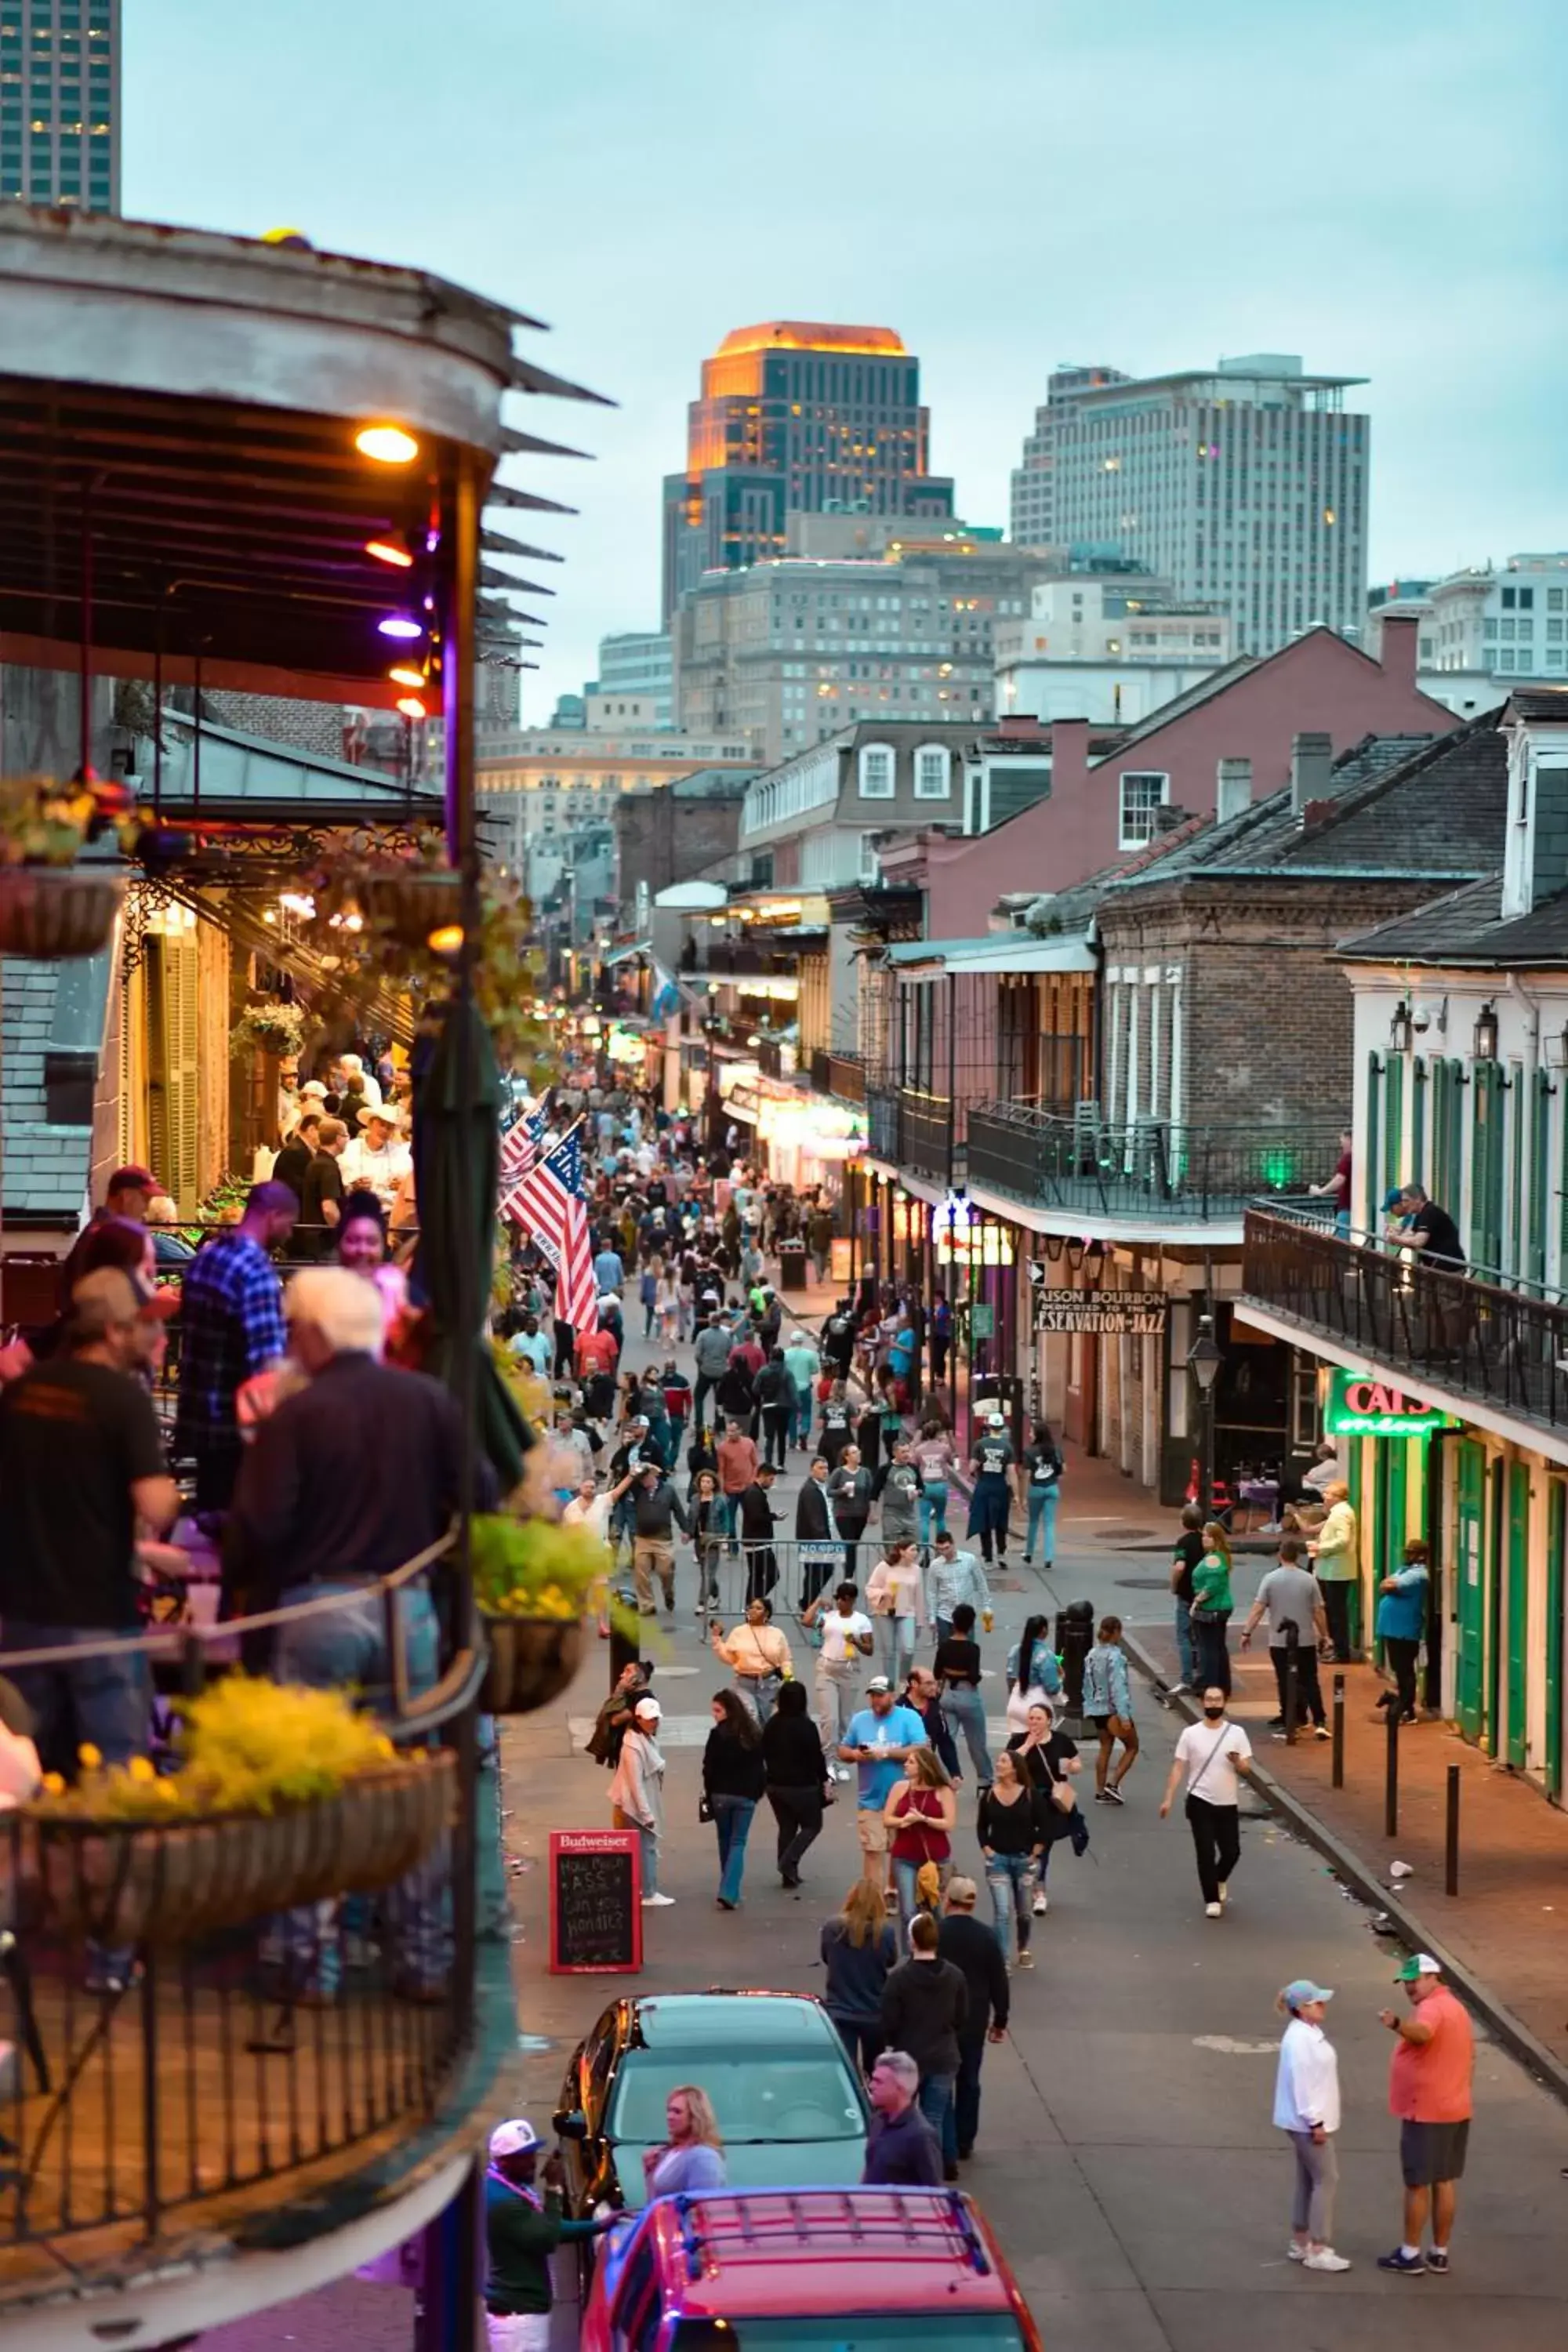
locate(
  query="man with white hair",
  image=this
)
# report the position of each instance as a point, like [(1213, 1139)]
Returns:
[(901, 2149), (317, 1514)]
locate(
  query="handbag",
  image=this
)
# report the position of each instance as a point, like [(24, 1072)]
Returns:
[(1062, 1796)]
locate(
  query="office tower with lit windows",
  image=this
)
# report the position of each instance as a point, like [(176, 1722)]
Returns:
[(796, 418), (1244, 486), (60, 103)]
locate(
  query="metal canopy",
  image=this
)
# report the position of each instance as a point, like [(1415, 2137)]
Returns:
[(179, 488)]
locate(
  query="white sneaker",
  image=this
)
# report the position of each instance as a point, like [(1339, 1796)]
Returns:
[(657, 1902), (1042, 1905), (1325, 2259), (1214, 1910), (1296, 2252)]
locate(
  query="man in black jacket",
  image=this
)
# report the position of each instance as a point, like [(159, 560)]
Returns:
[(925, 2008), (774, 1391), (656, 1509), (974, 1950), (757, 1521), (813, 1526)]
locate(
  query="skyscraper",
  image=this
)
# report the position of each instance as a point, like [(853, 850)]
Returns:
[(1245, 486), (794, 418), (1032, 518), (60, 103)]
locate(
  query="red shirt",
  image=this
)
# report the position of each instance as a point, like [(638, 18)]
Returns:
[(1429, 2082), (749, 1354), (596, 1352), (737, 1465)]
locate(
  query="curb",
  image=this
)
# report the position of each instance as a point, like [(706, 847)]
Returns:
[(1511, 2032)]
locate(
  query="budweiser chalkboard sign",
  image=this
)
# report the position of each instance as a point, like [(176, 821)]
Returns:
[(595, 1902)]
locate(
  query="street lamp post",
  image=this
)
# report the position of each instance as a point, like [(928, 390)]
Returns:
[(1203, 1361)]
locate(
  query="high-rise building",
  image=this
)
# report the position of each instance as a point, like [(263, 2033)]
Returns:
[(1033, 517), (60, 103), (794, 418), (797, 647), (1244, 486), (635, 665)]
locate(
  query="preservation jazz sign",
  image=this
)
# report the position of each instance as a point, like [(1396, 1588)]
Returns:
[(1118, 1313)]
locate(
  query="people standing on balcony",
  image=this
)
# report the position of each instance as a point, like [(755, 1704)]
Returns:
[(849, 1491), (376, 1158), (1042, 1471), (321, 1207), (991, 1500), (1430, 1232), (231, 1320), (299, 1151), (1401, 1627), (935, 1458), (1212, 1604), (1335, 1554), (1290, 1595), (1337, 1188)]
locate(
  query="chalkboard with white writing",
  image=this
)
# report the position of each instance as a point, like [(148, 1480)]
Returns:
[(595, 1905)]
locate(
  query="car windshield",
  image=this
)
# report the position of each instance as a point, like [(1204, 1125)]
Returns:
[(900, 2332), (758, 2095)]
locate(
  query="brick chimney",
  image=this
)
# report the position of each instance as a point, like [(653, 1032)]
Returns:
[(1233, 789), (1400, 632), (1021, 723), (1069, 754), (1311, 766)]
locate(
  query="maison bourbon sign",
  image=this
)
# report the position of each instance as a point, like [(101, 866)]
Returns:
[(1118, 1313)]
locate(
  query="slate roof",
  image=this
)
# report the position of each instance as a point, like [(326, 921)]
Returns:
[(1467, 928), (45, 1007), (1401, 805)]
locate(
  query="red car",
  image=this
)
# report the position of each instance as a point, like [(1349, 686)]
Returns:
[(863, 2270)]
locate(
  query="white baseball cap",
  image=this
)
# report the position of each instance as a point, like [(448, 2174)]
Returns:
[(513, 2138), (649, 1707)]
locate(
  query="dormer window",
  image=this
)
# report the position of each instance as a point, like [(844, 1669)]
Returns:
[(877, 771)]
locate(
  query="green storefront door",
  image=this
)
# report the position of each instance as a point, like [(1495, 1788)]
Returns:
[(1517, 1610), (1556, 1516), (1470, 1589)]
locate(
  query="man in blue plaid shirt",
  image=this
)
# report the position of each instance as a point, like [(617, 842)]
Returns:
[(231, 1327)]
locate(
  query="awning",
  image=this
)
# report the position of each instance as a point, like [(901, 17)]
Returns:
[(999, 953)]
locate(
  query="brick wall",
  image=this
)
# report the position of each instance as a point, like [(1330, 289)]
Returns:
[(662, 839)]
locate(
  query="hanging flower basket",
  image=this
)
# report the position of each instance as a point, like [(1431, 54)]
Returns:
[(55, 914), (173, 1883), (408, 906), (267, 1027), (533, 1661)]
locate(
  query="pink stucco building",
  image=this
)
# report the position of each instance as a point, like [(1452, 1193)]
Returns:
[(1110, 808)]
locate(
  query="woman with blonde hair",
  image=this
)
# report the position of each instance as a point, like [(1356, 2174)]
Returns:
[(692, 2158), (858, 1951), (921, 1813)]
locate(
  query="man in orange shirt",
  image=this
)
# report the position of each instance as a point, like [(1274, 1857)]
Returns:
[(1429, 2091), (737, 1468), (596, 1370)]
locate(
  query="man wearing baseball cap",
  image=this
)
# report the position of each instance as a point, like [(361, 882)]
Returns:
[(1429, 2090), (127, 1197), (522, 2230)]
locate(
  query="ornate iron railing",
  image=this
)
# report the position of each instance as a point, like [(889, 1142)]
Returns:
[(1150, 1168)]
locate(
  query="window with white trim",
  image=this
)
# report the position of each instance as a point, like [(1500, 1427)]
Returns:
[(933, 773), (877, 771), (870, 871), (1142, 792)]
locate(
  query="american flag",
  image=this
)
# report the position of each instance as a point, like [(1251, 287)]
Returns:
[(520, 1146), (549, 1202)]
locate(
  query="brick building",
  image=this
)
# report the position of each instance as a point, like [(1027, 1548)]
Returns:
[(668, 833)]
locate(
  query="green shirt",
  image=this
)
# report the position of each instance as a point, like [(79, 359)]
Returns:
[(1211, 1582), (520, 2235)]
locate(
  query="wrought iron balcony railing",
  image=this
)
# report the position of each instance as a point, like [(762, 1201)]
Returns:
[(911, 1129), (1427, 1323), (1150, 1169)]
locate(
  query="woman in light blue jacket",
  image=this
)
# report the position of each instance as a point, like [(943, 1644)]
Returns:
[(1108, 1704)]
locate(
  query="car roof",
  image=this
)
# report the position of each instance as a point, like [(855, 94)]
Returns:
[(809, 2252), (685, 2021)]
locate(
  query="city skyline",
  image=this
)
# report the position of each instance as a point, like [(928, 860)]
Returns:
[(1348, 226)]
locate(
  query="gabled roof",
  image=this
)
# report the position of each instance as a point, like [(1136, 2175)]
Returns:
[(1467, 928)]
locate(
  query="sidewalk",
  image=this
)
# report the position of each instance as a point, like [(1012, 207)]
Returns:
[(1506, 1932)]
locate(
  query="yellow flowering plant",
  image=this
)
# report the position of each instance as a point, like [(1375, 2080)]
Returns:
[(246, 1745), (535, 1567)]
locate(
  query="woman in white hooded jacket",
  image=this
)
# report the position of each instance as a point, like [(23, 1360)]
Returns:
[(1307, 2107), (637, 1795)]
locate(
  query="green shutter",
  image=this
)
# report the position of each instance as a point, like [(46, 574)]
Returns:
[(1419, 1082), (1518, 1618), (1485, 1248), (1554, 1602), (1540, 1160), (1516, 1121), (1374, 1189), (1469, 1591), (1392, 1124)]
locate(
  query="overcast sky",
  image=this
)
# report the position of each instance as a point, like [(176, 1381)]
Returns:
[(1008, 183)]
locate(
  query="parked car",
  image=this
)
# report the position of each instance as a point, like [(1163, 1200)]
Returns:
[(791, 2107), (882, 2270)]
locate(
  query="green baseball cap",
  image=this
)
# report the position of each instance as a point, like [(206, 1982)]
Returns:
[(1419, 1964)]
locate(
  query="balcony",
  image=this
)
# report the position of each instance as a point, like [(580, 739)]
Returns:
[(1444, 1333), (1149, 1173), (911, 1129)]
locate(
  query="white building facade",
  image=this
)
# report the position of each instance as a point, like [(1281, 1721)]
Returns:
[(1109, 649)]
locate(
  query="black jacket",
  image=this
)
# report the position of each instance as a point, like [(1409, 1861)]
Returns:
[(974, 1950), (757, 1521), (792, 1754), (734, 1393), (773, 1385), (925, 2006), (654, 1514), (733, 1767), (813, 1520)]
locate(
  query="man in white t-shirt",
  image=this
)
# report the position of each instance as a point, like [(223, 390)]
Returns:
[(847, 1636), (1210, 1757)]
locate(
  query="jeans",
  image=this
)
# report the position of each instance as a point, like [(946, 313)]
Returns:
[(965, 1709), (964, 2115), (733, 1821), (1317, 2178), (108, 1701), (705, 1388), (905, 1874), (758, 1694), (730, 1513), (1402, 1656), (838, 1697), (344, 1648), (862, 2038), (1217, 1841), (933, 1509), (1011, 1879), (898, 1640), (798, 1812), (1187, 1647), (936, 2105), (1214, 1650), (1042, 1503), (775, 1434)]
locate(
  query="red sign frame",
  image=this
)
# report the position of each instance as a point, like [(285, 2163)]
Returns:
[(596, 1842)]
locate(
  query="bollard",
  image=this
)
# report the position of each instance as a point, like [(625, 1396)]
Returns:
[(1339, 1778), (1451, 1840), (1292, 1680), (1078, 1639), (1391, 1783)]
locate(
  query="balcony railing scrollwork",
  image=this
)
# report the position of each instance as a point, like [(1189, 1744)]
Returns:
[(1150, 1169)]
